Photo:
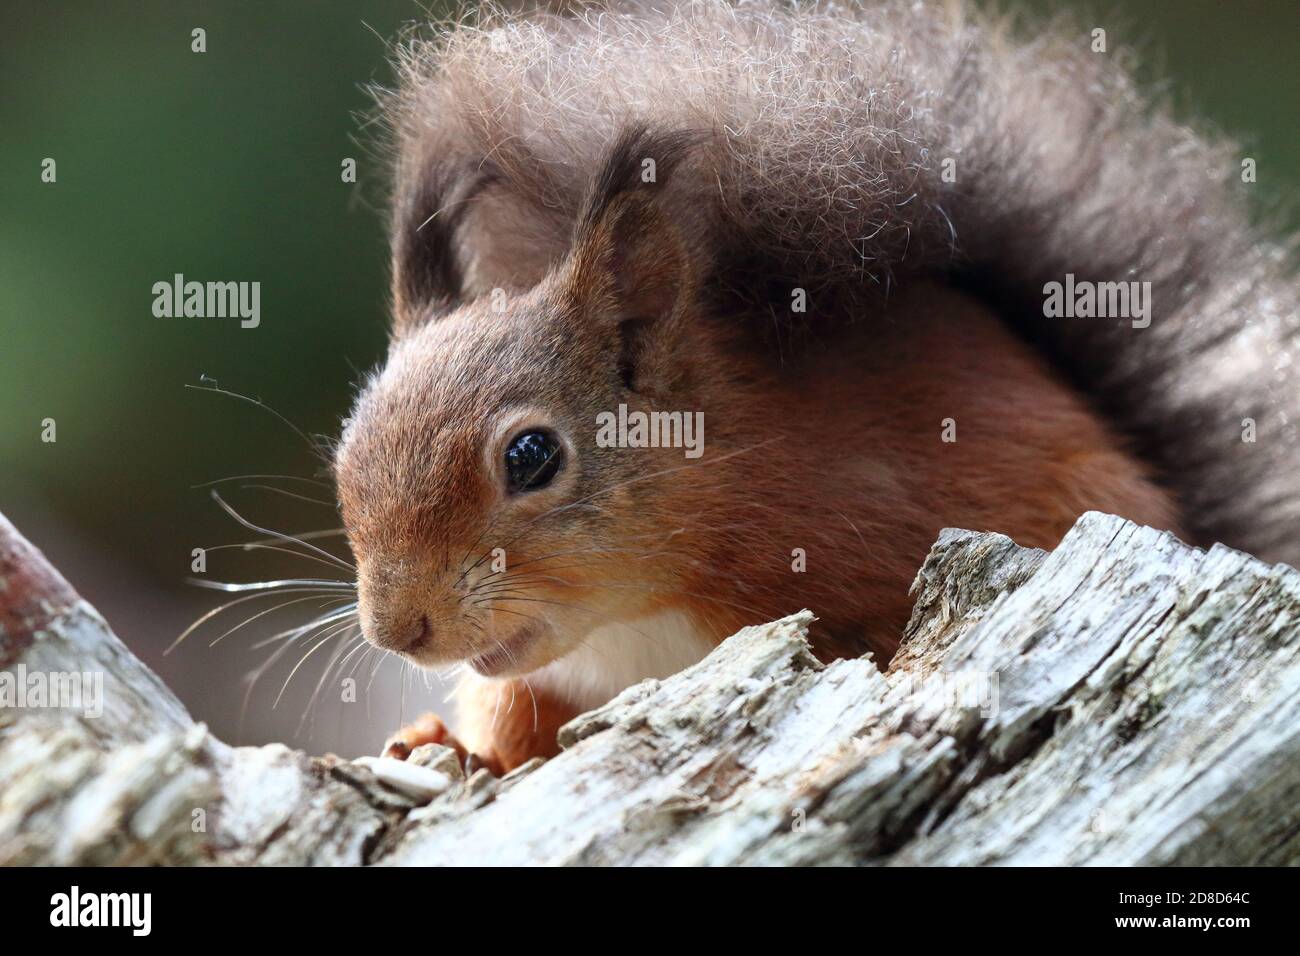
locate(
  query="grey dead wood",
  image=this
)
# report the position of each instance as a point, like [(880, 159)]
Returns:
[(1125, 699)]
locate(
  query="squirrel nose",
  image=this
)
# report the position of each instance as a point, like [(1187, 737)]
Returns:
[(398, 634)]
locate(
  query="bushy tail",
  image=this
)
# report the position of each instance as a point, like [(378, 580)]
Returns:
[(851, 152)]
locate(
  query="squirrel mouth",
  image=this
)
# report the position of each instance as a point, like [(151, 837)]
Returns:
[(505, 656)]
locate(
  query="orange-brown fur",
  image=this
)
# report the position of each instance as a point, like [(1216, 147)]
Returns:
[(837, 451), (539, 280), (509, 722)]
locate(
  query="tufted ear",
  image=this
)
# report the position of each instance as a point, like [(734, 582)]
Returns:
[(462, 229), (631, 270)]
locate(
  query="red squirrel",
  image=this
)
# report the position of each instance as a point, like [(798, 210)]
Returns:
[(826, 236)]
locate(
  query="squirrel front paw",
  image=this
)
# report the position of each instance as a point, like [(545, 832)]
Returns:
[(427, 729), (430, 729)]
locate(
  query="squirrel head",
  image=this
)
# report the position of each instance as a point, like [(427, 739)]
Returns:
[(488, 524)]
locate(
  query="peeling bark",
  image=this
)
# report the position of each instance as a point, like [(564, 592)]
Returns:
[(1126, 699)]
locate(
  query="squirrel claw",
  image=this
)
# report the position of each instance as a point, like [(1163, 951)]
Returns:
[(475, 762), (430, 729), (427, 729)]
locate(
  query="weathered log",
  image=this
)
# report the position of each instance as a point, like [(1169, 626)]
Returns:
[(1126, 699)]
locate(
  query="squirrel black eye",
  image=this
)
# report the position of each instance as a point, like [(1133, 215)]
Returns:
[(533, 459)]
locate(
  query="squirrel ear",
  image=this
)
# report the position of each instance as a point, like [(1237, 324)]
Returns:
[(629, 268)]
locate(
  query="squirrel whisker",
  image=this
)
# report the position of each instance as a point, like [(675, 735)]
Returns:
[(290, 494), (314, 481), (346, 565), (256, 676), (301, 630), (330, 633), (302, 535), (336, 662), (315, 447), (323, 583), (324, 602), (229, 604), (256, 546)]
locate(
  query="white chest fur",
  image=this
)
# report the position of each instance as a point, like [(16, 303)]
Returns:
[(615, 657)]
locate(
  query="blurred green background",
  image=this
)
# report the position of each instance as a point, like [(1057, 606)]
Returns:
[(226, 166)]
